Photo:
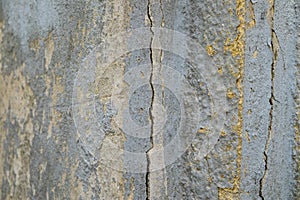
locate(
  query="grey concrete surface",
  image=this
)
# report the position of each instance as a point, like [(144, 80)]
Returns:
[(232, 85)]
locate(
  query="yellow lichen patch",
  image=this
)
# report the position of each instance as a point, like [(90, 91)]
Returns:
[(231, 94), (227, 194), (210, 50), (237, 49)]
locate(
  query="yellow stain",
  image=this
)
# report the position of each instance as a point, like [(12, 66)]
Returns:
[(247, 136), (220, 71), (237, 49), (223, 133), (203, 130), (231, 94), (210, 50), (255, 54)]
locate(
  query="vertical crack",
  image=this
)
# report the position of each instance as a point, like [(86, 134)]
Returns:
[(151, 105), (261, 181), (275, 49)]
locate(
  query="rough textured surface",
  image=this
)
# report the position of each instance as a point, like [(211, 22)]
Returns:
[(47, 154)]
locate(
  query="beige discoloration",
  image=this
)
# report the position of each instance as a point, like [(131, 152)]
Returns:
[(111, 180), (76, 186), (49, 49), (297, 149), (132, 189), (18, 102), (2, 134), (57, 89), (35, 45), (251, 15), (297, 125)]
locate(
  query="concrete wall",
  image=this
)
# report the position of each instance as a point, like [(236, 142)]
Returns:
[(128, 99)]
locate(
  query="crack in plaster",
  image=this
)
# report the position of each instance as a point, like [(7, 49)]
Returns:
[(275, 47), (151, 106)]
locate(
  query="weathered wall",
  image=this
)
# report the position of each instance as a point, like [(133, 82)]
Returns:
[(56, 142)]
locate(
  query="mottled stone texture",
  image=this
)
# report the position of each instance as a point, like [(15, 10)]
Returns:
[(253, 44)]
